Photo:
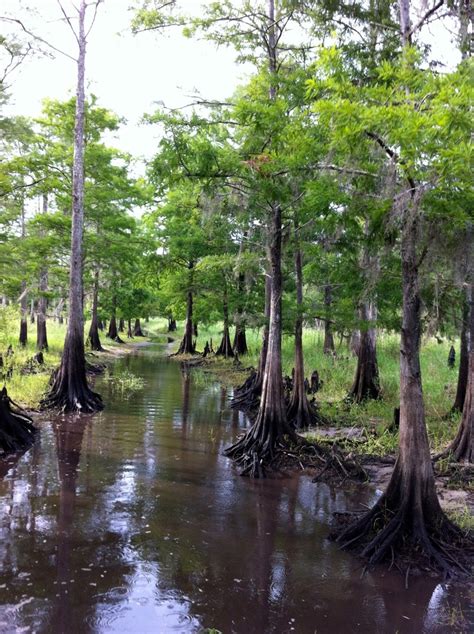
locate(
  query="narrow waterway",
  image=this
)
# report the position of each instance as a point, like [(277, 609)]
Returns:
[(134, 521)]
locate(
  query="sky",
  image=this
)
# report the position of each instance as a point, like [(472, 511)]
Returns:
[(128, 73)]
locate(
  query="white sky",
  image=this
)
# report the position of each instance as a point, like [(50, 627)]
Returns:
[(128, 73)]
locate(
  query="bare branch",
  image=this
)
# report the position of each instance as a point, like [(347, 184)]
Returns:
[(68, 20), (96, 6), (36, 37), (428, 14)]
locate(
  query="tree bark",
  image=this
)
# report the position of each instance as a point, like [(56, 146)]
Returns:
[(23, 338), (171, 323), (462, 447), (408, 515), (129, 329), (16, 427), (121, 326), (70, 391), (94, 338), (328, 346), (256, 449), (187, 344), (366, 382), (240, 339), (137, 329), (463, 354), (247, 396), (225, 348), (41, 333), (300, 413)]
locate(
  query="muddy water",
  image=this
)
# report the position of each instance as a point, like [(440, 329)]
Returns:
[(133, 521)]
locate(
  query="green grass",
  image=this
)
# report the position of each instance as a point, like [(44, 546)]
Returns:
[(27, 390), (124, 382), (439, 381), (463, 518)]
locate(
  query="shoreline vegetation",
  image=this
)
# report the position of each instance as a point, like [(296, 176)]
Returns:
[(361, 430)]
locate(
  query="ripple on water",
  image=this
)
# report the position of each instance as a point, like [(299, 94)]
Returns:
[(134, 521)]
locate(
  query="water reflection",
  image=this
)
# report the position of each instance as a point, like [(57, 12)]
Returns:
[(134, 521)]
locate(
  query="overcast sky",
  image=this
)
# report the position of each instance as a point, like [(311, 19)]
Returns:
[(128, 73)]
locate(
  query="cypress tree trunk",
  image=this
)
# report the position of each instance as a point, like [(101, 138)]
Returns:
[(246, 397), (366, 381), (463, 354), (32, 311), (70, 391), (225, 348), (408, 515), (121, 327), (257, 447), (301, 413), (171, 323), (23, 338), (328, 346), (16, 427), (240, 339), (354, 343), (94, 328), (129, 329), (137, 329), (462, 447), (41, 334), (187, 344), (113, 332)]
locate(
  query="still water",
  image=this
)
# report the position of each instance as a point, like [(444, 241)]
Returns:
[(133, 521)]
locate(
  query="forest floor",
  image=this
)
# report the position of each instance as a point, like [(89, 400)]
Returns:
[(362, 430)]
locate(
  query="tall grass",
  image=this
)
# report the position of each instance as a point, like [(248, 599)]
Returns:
[(28, 389)]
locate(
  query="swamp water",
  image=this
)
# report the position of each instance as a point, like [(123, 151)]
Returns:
[(133, 521)]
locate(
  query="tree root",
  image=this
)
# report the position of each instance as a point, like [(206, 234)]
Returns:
[(404, 536), (71, 396), (17, 431), (294, 452), (247, 397)]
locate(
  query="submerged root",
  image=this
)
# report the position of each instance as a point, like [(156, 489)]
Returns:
[(403, 535), (17, 431), (71, 396), (294, 452)]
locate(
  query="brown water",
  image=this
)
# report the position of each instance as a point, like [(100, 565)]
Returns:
[(133, 521)]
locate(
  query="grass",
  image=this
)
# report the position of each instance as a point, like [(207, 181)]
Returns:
[(124, 382), (28, 389), (439, 381), (463, 518)]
